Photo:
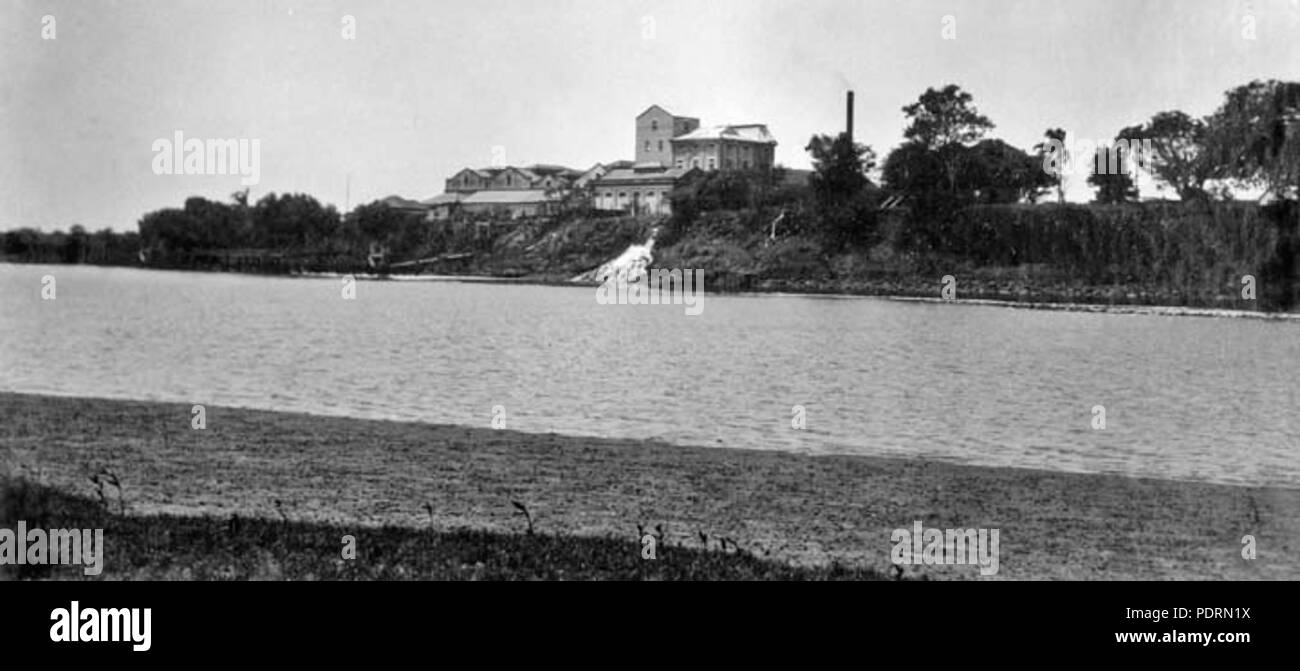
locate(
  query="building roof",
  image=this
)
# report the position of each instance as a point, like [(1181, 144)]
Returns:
[(514, 197), (674, 116), (544, 169), (629, 176), (528, 174), (399, 202), (654, 107), (444, 199), (753, 132)]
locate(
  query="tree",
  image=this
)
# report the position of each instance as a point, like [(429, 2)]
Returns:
[(1179, 157), (839, 166), (1053, 151), (293, 220), (942, 121), (1254, 137), (913, 168), (992, 171), (943, 117), (1116, 186), (995, 172), (839, 181)]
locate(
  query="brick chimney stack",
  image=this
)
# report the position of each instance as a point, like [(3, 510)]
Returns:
[(849, 117)]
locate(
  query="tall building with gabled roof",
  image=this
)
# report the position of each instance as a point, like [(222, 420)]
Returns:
[(731, 147), (655, 129), (670, 141)]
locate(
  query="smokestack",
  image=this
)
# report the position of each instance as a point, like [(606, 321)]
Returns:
[(848, 130)]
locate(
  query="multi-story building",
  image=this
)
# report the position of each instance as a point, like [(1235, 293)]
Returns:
[(736, 147), (511, 178), (655, 129), (517, 191), (671, 141), (671, 148), (641, 189)]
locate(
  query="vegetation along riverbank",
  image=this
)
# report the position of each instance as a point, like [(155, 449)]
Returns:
[(951, 202), (270, 494)]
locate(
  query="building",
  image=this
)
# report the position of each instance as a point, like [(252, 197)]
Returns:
[(399, 203), (508, 190), (511, 178), (640, 189), (513, 203), (444, 205), (671, 141), (655, 129), (670, 148), (736, 147)]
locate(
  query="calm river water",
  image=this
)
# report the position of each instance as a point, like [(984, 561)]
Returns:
[(1184, 397)]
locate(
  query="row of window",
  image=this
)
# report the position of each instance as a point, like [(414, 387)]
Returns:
[(712, 163), (470, 182), (622, 195)]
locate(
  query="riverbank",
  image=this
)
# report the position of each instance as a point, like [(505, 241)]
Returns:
[(208, 547), (798, 510), (1065, 302)]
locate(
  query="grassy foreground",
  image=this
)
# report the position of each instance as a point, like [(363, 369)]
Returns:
[(266, 494), (174, 547)]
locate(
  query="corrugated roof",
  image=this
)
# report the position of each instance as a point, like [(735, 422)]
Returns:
[(444, 199), (517, 197), (742, 133), (629, 176), (400, 202), (549, 169)]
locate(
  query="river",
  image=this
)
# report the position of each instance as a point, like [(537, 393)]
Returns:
[(1209, 399)]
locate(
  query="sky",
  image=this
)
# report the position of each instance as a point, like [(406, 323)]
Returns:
[(426, 88)]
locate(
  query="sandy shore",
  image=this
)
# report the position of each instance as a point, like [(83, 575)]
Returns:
[(806, 510)]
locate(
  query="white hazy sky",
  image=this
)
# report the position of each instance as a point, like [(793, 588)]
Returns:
[(429, 87)]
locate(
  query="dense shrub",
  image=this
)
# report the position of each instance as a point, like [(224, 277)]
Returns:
[(1190, 246)]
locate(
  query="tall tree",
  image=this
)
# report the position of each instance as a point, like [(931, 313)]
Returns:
[(996, 172), (840, 166), (1054, 158), (839, 181), (1179, 156), (1254, 137), (943, 120), (945, 116), (1116, 186)]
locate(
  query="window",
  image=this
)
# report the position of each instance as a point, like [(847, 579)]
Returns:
[(712, 163), (661, 145), (654, 124), (647, 145)]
